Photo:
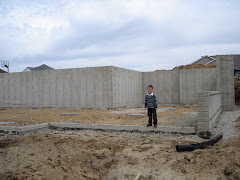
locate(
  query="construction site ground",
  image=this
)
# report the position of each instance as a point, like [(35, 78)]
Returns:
[(98, 155), (167, 116), (103, 155)]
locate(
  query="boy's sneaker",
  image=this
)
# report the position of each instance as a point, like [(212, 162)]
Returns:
[(155, 125), (149, 125)]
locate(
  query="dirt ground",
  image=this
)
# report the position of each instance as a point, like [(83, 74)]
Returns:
[(89, 155), (97, 155), (167, 115)]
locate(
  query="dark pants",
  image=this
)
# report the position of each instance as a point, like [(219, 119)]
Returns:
[(152, 113)]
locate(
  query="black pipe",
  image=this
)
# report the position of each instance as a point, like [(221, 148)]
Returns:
[(191, 147)]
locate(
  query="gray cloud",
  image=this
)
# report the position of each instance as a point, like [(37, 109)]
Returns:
[(122, 33)]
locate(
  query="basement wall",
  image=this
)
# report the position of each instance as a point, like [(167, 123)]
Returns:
[(180, 86), (165, 85), (64, 88), (225, 81), (192, 81), (127, 87), (102, 87)]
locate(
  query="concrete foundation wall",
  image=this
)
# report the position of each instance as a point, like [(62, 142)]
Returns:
[(195, 80), (102, 87), (225, 81), (165, 85), (127, 87), (70, 88), (209, 109), (180, 86)]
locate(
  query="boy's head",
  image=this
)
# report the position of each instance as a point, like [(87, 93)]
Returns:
[(150, 89)]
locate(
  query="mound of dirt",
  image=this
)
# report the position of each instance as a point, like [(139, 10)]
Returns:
[(95, 155), (194, 66)]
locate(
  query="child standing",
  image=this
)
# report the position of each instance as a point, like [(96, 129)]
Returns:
[(151, 104)]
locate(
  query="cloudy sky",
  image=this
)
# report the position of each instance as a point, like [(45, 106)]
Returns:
[(142, 35)]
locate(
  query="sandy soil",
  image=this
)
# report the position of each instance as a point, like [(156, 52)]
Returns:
[(94, 155), (167, 115)]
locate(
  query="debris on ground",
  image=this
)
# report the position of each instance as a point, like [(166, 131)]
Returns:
[(70, 114)]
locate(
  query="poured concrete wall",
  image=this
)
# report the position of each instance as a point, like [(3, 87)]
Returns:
[(127, 87), (225, 81), (165, 85), (70, 88), (180, 86), (209, 109), (195, 80), (102, 87)]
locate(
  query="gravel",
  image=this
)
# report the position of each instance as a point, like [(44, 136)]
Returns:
[(228, 124)]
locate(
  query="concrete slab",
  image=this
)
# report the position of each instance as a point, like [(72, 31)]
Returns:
[(30, 110), (32, 127), (70, 114), (77, 122), (136, 115), (8, 123), (124, 128), (97, 127), (25, 129), (140, 110)]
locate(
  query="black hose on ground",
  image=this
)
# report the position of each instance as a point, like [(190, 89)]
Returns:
[(191, 147)]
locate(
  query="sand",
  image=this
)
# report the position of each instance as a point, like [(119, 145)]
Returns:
[(166, 116), (56, 155), (98, 155)]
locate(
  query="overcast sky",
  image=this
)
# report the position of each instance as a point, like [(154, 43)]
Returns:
[(143, 35)]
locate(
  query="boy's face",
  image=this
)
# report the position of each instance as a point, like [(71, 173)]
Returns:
[(149, 90)]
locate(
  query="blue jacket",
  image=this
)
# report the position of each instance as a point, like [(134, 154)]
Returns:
[(151, 101)]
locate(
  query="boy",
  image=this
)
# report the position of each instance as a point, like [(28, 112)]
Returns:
[(151, 104)]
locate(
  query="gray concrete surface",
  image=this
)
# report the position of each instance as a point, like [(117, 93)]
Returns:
[(127, 87), (180, 86), (209, 109), (70, 114), (101, 87), (136, 115), (140, 110), (108, 127), (67, 88), (192, 81), (8, 123), (25, 129), (165, 85), (225, 81), (97, 127)]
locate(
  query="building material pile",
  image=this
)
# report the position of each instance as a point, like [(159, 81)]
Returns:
[(194, 66)]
